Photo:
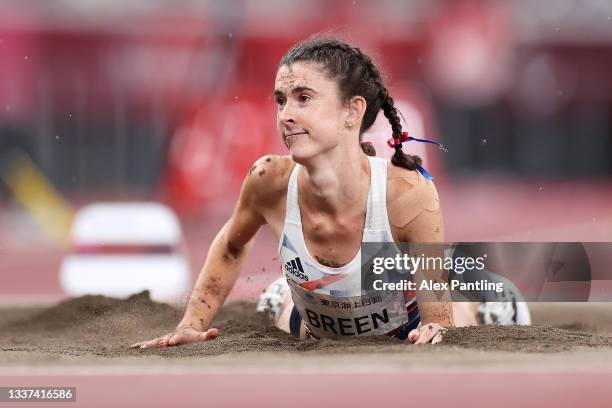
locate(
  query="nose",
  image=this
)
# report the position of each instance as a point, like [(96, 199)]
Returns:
[(286, 114)]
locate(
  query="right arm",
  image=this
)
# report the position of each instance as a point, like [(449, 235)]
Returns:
[(223, 263)]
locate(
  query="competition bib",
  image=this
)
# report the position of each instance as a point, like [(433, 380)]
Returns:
[(377, 313)]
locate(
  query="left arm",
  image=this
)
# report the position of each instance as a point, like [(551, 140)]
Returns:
[(416, 217), (435, 307)]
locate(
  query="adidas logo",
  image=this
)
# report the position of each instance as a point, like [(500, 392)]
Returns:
[(295, 268)]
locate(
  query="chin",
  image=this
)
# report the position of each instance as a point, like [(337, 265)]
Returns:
[(306, 149), (302, 152), (300, 156)]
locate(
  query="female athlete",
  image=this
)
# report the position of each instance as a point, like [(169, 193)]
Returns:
[(322, 201)]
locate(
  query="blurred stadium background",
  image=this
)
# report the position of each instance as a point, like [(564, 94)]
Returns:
[(170, 101)]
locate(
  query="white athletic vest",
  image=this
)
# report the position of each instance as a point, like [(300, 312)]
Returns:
[(330, 300)]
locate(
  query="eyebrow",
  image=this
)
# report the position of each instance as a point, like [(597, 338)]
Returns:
[(297, 89)]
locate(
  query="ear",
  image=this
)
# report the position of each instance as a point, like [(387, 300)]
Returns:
[(356, 109)]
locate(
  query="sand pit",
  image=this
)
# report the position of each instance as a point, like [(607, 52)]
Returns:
[(97, 326), (84, 343)]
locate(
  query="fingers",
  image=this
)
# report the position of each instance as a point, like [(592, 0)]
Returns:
[(147, 344), (159, 342), (177, 339), (437, 338), (207, 335), (183, 338), (163, 342), (429, 333), (140, 344), (413, 335), (211, 333)]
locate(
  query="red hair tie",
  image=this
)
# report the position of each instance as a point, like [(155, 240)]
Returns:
[(392, 142), (397, 142)]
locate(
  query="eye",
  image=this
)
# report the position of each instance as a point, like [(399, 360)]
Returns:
[(280, 102), (304, 98)]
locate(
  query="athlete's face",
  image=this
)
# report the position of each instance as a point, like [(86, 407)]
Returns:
[(311, 118)]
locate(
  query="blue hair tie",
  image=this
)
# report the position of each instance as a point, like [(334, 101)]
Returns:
[(397, 142)]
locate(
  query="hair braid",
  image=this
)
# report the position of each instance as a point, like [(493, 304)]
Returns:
[(399, 158)]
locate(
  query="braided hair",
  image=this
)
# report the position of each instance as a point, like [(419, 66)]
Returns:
[(355, 74)]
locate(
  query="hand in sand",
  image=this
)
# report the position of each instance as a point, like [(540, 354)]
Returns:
[(427, 333), (178, 337)]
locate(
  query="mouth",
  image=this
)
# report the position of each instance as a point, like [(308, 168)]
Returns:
[(291, 138)]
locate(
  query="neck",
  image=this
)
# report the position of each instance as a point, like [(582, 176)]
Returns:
[(335, 180)]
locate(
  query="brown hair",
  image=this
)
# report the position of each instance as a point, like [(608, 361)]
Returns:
[(355, 74)]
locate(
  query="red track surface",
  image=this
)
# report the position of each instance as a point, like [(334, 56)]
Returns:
[(429, 388)]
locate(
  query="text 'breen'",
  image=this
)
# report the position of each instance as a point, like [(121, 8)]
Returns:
[(345, 326)]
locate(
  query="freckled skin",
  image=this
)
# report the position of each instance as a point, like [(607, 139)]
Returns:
[(262, 166), (204, 301), (212, 288)]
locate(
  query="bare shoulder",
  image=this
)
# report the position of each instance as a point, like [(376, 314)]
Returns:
[(409, 194), (267, 180)]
